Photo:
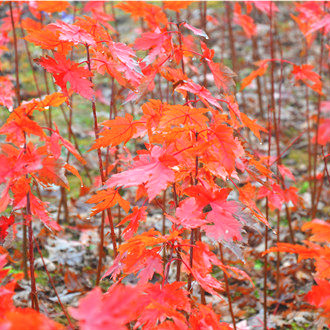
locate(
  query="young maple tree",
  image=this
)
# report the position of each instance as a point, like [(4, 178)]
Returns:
[(185, 149)]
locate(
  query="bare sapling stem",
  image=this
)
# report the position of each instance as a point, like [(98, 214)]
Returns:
[(227, 289), (34, 294)]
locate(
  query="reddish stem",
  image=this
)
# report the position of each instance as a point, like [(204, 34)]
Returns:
[(227, 288), (53, 284), (113, 234), (17, 87), (34, 295), (314, 191)]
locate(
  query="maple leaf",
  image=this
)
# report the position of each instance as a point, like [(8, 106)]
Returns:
[(74, 171), (203, 317), (303, 251), (163, 302), (153, 41), (30, 24), (304, 27), (72, 33), (203, 93), (323, 23), (221, 222), (65, 71), (206, 195), (18, 163), (51, 100), (47, 39), (117, 267), (274, 194), (306, 75), (137, 245), (38, 209), (207, 282), (196, 31), (27, 318), (189, 214), (102, 64), (69, 146), (247, 195), (110, 311), (5, 223), (263, 65), (7, 93), (150, 169), (223, 148), (202, 267), (16, 129), (137, 215), (291, 195), (176, 5), (4, 197), (324, 132), (52, 172), (135, 8), (285, 172), (319, 296), (245, 21), (146, 266), (152, 114), (225, 226), (121, 130), (223, 76), (106, 199), (179, 115), (52, 6), (267, 7), (152, 14), (320, 230), (322, 264), (125, 55), (252, 125)]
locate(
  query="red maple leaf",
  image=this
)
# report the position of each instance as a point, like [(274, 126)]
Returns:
[(151, 169), (245, 21), (7, 93), (106, 199), (224, 225), (121, 130), (324, 132), (176, 5), (5, 223), (65, 71), (203, 93), (196, 31), (319, 296), (222, 221), (306, 75), (223, 76), (152, 41), (138, 215), (110, 311), (262, 68), (72, 33), (189, 214)]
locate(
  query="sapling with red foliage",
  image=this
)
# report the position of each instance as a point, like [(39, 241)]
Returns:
[(188, 149)]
